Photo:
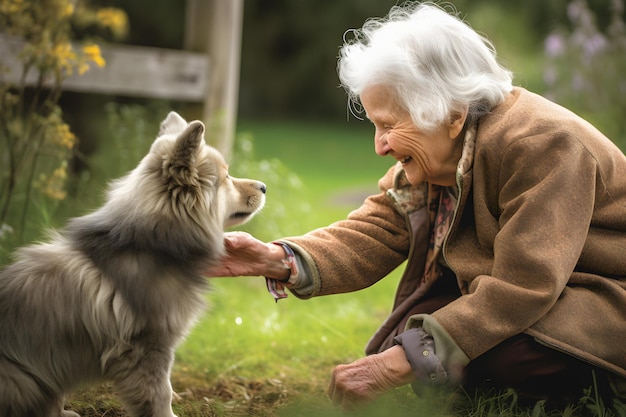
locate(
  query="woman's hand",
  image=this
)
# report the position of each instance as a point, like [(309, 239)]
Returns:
[(248, 256), (368, 378)]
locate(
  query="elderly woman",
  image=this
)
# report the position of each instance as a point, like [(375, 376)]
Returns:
[(510, 209)]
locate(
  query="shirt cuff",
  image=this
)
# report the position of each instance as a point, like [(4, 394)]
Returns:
[(419, 348), (452, 357), (304, 284), (300, 283)]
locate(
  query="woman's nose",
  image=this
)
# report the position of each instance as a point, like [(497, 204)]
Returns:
[(380, 145)]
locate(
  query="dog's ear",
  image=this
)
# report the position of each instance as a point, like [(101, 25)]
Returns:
[(188, 144), (173, 124)]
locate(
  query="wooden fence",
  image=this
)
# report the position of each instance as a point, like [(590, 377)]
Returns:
[(205, 72)]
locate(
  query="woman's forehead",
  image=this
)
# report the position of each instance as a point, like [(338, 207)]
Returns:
[(379, 100)]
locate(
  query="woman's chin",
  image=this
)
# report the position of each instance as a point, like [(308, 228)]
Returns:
[(414, 177)]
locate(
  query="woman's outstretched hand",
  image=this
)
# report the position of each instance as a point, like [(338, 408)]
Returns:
[(248, 256)]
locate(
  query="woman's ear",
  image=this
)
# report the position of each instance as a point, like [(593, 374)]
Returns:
[(457, 121)]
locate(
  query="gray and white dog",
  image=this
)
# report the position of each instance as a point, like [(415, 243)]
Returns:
[(112, 294)]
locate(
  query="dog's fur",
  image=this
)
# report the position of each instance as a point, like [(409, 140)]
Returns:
[(111, 295)]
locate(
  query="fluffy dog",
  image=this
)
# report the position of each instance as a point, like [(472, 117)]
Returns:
[(112, 294)]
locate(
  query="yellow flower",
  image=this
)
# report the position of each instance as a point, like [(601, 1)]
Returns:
[(62, 136), (68, 10), (11, 6), (64, 57), (93, 54), (53, 185), (83, 67), (114, 19), (60, 173)]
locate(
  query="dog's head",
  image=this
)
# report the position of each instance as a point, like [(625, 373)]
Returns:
[(195, 179), (174, 205)]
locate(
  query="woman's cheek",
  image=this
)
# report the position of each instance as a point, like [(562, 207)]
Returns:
[(403, 140)]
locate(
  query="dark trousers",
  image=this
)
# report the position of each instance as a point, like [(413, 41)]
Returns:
[(534, 371)]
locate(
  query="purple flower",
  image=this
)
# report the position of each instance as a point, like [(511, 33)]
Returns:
[(594, 44), (579, 14), (554, 45), (574, 10)]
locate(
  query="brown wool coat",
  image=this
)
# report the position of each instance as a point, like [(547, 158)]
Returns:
[(538, 241)]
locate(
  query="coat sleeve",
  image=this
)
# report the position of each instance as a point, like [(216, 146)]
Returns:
[(527, 242), (356, 252)]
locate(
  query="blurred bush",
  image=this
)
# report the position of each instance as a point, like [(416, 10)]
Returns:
[(586, 67), (37, 142), (290, 48)]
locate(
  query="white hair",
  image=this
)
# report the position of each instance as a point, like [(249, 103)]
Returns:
[(436, 64)]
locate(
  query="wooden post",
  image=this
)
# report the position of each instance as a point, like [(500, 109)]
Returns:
[(214, 27)]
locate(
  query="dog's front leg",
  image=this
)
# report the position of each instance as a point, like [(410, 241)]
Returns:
[(65, 413), (144, 385)]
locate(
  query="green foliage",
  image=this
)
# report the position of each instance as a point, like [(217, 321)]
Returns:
[(126, 137), (37, 143), (292, 47), (250, 356)]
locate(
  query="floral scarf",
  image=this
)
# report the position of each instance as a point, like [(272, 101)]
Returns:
[(441, 205)]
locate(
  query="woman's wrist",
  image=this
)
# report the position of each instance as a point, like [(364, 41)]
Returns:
[(398, 365), (276, 267)]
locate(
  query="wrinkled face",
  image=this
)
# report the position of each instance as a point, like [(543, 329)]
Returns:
[(426, 156)]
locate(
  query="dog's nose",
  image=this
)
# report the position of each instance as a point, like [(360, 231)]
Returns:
[(262, 187)]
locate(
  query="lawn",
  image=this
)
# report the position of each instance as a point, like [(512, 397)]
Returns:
[(250, 356)]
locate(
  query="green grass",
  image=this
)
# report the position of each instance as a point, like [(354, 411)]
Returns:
[(250, 356), (295, 342), (336, 164), (280, 356)]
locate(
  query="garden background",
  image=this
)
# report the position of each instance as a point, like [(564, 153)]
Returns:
[(248, 355)]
